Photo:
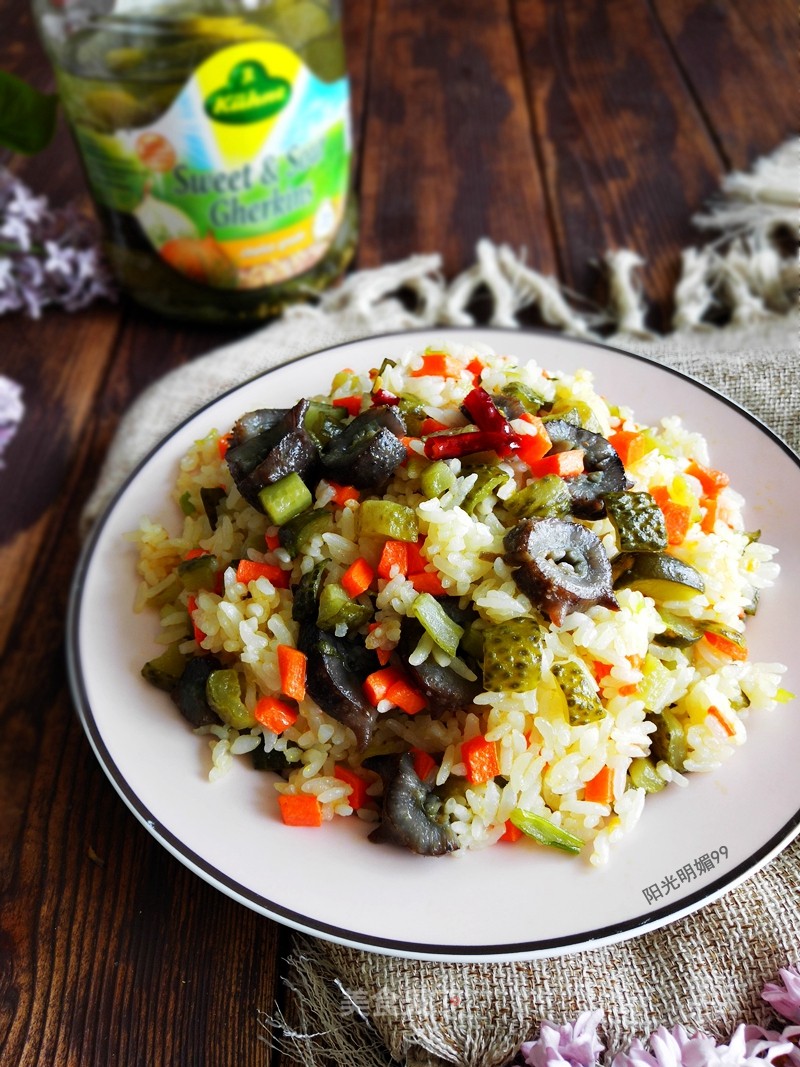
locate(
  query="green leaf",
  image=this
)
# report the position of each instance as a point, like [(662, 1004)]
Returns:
[(27, 117)]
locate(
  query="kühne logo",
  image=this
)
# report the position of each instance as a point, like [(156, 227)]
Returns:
[(250, 95)]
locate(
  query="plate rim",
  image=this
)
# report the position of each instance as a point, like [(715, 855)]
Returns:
[(225, 883)]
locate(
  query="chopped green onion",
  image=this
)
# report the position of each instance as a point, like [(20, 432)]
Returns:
[(285, 499), (545, 832), (437, 623)]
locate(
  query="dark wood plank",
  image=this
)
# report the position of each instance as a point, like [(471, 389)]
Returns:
[(628, 156), (740, 60), (448, 156)]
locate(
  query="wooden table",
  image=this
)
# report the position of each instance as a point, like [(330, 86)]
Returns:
[(565, 127)]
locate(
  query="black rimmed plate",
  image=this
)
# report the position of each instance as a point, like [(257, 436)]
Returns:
[(690, 846)]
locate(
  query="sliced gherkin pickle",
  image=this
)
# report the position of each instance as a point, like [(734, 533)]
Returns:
[(165, 670), (583, 704), (658, 575), (512, 656), (680, 632), (637, 520), (224, 695)]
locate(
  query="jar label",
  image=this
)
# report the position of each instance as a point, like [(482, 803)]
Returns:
[(242, 182)]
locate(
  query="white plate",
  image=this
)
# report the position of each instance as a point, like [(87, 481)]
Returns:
[(502, 903)]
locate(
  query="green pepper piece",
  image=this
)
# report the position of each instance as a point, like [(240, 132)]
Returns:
[(545, 498), (224, 695), (297, 532), (436, 479), (198, 573), (443, 630), (336, 608), (285, 499), (512, 656), (545, 832), (386, 518), (669, 742), (583, 704), (165, 670), (637, 520), (489, 479), (643, 775)]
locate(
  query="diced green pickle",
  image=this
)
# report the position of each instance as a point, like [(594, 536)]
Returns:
[(489, 479), (669, 742), (386, 518), (583, 704), (437, 623), (198, 573), (295, 534), (224, 695), (643, 775), (680, 632), (285, 499), (637, 520), (545, 498), (337, 609), (165, 670), (512, 656), (305, 604), (531, 401), (436, 479)]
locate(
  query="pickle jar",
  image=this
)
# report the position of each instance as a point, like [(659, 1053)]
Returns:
[(216, 142)]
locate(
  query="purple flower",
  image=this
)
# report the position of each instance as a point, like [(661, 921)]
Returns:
[(748, 1047), (47, 257), (577, 1045), (785, 999)]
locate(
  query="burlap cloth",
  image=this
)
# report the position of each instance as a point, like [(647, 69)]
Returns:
[(705, 971)]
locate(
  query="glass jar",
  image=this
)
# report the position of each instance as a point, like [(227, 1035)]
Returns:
[(215, 137)]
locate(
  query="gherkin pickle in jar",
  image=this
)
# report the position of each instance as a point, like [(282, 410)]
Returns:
[(216, 143)]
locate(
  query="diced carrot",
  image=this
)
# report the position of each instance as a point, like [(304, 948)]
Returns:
[(357, 578), (726, 726), (384, 655), (428, 582), (191, 607), (292, 665), (565, 464), (343, 493), (424, 763), (274, 714), (394, 554), (407, 443), (438, 365), (480, 759), (358, 797), (677, 517), (196, 553), (511, 833), (600, 670), (249, 570), (600, 789), (378, 684), (301, 809), (272, 541), (430, 426), (532, 447), (406, 697), (710, 518), (416, 561), (712, 481), (725, 646), (628, 690), (352, 404), (630, 445), (223, 444)]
